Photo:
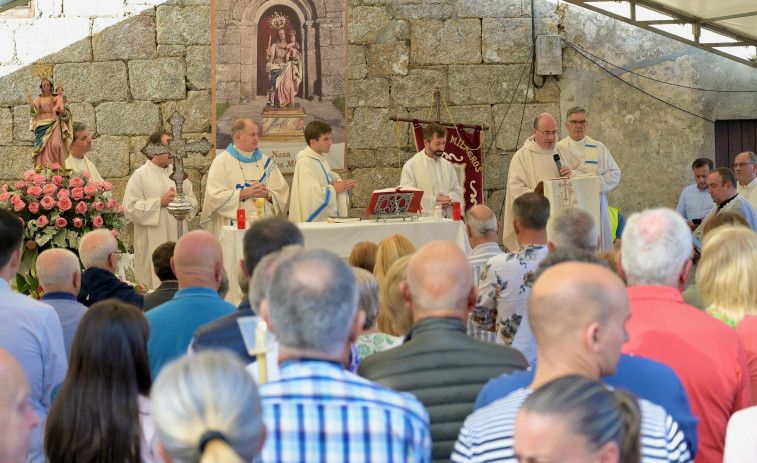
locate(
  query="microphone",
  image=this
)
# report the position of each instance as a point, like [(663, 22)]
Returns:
[(556, 157)]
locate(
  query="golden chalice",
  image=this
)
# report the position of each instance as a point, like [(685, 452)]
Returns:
[(259, 203)]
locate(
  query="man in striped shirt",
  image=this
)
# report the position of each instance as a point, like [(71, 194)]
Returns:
[(317, 411), (578, 313)]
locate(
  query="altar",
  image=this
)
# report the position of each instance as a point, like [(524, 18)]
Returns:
[(340, 238)]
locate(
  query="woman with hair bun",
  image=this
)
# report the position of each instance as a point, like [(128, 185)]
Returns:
[(207, 409), (577, 419)]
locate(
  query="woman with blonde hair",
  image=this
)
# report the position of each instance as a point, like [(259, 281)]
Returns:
[(575, 418), (725, 280), (206, 409), (363, 255), (390, 249), (394, 317)]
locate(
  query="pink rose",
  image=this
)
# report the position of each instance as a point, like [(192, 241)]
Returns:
[(62, 193), (57, 180), (98, 205), (121, 208), (5, 196), (77, 222), (77, 193), (15, 198), (97, 222), (19, 206), (47, 202), (60, 222), (39, 179), (42, 221), (34, 208), (85, 173), (35, 191), (75, 182), (111, 204), (49, 189), (55, 166), (81, 208), (115, 232), (20, 185), (90, 191), (107, 186), (29, 174), (97, 185), (5, 188), (64, 204)]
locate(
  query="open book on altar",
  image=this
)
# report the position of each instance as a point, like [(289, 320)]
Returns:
[(400, 200)]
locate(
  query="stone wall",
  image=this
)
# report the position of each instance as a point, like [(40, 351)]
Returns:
[(125, 66)]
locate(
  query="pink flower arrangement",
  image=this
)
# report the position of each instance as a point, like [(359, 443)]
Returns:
[(60, 222), (34, 208), (39, 179), (49, 189), (77, 222), (42, 221), (34, 191), (85, 173), (77, 193), (29, 174), (97, 222), (111, 204), (98, 205), (6, 196), (81, 208), (47, 203), (57, 180), (63, 194), (90, 191), (19, 206), (20, 185), (76, 182), (55, 166), (107, 186), (64, 204)]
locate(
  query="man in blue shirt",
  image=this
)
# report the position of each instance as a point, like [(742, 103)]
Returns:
[(317, 411), (198, 264), (695, 201)]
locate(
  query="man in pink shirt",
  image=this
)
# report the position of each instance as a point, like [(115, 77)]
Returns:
[(705, 353)]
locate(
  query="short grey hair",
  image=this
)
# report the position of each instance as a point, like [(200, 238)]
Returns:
[(655, 248), (572, 227), (263, 273), (96, 247), (368, 295), (752, 156), (207, 391), (58, 271), (481, 227), (574, 110), (313, 300), (531, 210)]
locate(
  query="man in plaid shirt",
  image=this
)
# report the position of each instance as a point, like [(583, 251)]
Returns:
[(317, 411)]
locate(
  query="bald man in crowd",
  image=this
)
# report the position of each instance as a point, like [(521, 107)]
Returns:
[(533, 163), (60, 280), (18, 418), (578, 313), (98, 251), (438, 362), (197, 263)]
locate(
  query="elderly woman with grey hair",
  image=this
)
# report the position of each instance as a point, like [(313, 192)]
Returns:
[(371, 340)]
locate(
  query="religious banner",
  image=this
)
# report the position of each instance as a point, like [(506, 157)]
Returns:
[(282, 64), (463, 150)]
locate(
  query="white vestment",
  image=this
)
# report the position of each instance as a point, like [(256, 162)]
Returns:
[(78, 165), (434, 177), (226, 178), (314, 199), (530, 165), (153, 225), (597, 160), (749, 192)]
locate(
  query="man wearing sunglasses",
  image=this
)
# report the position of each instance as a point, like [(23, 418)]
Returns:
[(597, 160)]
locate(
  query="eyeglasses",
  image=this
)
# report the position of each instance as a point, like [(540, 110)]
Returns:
[(741, 164), (553, 133), (584, 122)]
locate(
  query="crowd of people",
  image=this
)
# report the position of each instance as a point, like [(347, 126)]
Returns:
[(557, 349)]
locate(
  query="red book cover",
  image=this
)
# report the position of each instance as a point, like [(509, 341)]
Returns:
[(395, 200)]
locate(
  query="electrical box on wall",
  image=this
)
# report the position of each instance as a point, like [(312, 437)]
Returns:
[(548, 55)]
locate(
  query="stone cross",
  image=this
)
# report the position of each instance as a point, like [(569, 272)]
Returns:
[(177, 150)]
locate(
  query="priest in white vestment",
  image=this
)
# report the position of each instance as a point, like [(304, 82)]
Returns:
[(81, 144), (237, 176), (148, 193), (597, 160), (428, 171), (533, 163), (317, 192), (745, 168)]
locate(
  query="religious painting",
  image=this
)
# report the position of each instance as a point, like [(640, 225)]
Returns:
[(283, 64)]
